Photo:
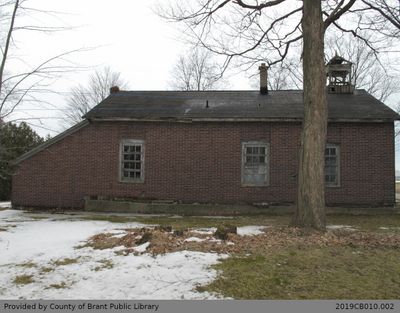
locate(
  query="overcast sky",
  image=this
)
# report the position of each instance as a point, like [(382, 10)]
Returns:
[(123, 34), (126, 35)]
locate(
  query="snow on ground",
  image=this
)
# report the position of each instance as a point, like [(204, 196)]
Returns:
[(250, 230), (194, 239), (31, 244), (346, 227), (142, 248), (242, 231), (5, 204), (204, 231)]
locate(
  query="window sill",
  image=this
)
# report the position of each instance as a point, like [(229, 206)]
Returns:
[(249, 185), (131, 181), (332, 186)]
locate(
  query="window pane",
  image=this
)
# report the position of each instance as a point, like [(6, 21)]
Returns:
[(254, 165), (327, 151), (329, 161), (330, 170), (331, 165), (328, 178), (132, 162)]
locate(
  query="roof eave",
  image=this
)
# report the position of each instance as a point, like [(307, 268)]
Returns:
[(233, 119)]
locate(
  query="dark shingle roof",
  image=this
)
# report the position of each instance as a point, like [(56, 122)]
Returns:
[(192, 105)]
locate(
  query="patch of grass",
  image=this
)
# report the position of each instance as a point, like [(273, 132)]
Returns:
[(39, 217), (45, 270), (310, 273), (362, 222), (368, 222), (62, 285), (198, 222), (27, 265), (23, 279), (105, 264), (3, 229), (66, 261), (110, 218)]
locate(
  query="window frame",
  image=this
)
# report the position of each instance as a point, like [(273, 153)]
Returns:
[(131, 142), (263, 144), (337, 183)]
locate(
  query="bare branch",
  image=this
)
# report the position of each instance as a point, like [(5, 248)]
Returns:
[(7, 45), (338, 12), (83, 98), (196, 70), (390, 13)]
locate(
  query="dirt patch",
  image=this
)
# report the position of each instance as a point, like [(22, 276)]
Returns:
[(162, 240)]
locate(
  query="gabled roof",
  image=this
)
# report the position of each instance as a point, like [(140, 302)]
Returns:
[(234, 105)]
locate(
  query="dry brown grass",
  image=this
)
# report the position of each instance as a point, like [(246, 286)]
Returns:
[(23, 279), (61, 285), (66, 261)]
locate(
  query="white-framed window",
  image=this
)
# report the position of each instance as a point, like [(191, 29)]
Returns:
[(131, 161), (255, 155), (332, 165)]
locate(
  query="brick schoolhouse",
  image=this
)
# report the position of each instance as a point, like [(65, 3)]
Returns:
[(213, 147)]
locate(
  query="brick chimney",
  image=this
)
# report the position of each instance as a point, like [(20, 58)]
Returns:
[(263, 79), (114, 89)]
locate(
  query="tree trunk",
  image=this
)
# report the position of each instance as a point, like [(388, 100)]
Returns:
[(310, 211)]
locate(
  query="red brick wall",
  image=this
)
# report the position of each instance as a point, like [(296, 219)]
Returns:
[(201, 162)]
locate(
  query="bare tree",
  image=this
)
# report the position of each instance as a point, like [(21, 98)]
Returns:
[(32, 80), (253, 31), (196, 70), (383, 16), (85, 97)]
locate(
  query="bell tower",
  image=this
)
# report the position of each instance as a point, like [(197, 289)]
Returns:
[(338, 71)]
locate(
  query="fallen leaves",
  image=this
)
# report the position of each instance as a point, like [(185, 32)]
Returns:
[(164, 240)]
